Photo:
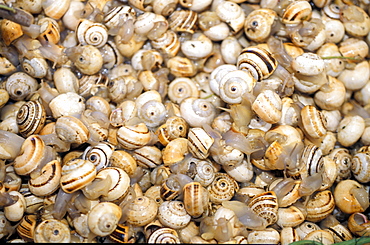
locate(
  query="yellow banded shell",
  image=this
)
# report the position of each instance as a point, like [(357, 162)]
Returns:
[(76, 174)]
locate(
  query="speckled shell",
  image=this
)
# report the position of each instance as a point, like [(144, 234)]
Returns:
[(222, 188), (265, 205), (196, 199), (141, 211), (173, 214)]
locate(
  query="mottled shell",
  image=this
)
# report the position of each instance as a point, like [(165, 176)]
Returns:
[(76, 174), (46, 181), (141, 211), (320, 206), (199, 142), (53, 231), (133, 137), (258, 24), (173, 214), (196, 199), (103, 218), (124, 160), (258, 61), (353, 196), (222, 188)]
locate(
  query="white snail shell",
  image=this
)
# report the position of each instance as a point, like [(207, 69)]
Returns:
[(103, 218)]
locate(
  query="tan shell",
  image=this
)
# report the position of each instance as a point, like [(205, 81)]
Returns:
[(10, 31), (26, 227), (133, 137), (141, 211), (175, 151), (46, 181), (353, 195), (196, 199), (265, 205), (52, 230), (222, 188), (148, 156), (71, 129), (173, 214), (358, 224), (320, 206), (164, 235), (258, 24), (174, 127), (76, 174), (103, 218), (124, 160), (296, 12)]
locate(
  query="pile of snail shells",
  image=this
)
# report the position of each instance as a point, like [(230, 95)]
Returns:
[(166, 121)]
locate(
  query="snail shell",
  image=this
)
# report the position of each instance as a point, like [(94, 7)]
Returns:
[(175, 151), (71, 130), (76, 174), (10, 31), (313, 121), (99, 154), (181, 88), (49, 30), (355, 20), (353, 196), (267, 236), (168, 43), (36, 67), (116, 14), (232, 14), (124, 160), (148, 156), (359, 167), (55, 9), (120, 184), (31, 118), (288, 235), (197, 112), (183, 21), (199, 142), (52, 230), (258, 24), (132, 137), (26, 227), (20, 85), (122, 234), (47, 181), (196, 199), (174, 127), (358, 224), (234, 85), (267, 106), (222, 188), (350, 130), (103, 218), (173, 214), (164, 235), (290, 217), (141, 211), (320, 206), (265, 205), (15, 211), (241, 172), (65, 80), (343, 160), (258, 61), (181, 66), (90, 33), (153, 113), (87, 58), (67, 104), (296, 12), (200, 46)]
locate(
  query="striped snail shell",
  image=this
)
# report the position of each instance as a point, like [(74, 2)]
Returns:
[(122, 234), (99, 154), (164, 235), (49, 30), (168, 43), (90, 33), (148, 156), (313, 121), (31, 118), (320, 206), (52, 230), (47, 180), (174, 127), (76, 174), (55, 9), (115, 16), (27, 226), (258, 61), (296, 12), (222, 188), (265, 205), (183, 21), (103, 218), (71, 129), (199, 142), (196, 199), (132, 137)]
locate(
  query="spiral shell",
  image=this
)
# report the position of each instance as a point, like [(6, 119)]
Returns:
[(232, 14), (71, 130), (90, 33), (87, 58), (181, 88), (320, 206), (222, 188), (353, 195), (124, 160), (168, 43), (313, 121), (265, 205), (153, 113), (199, 142), (183, 21), (148, 156), (98, 154), (174, 127), (296, 12), (164, 235), (47, 181), (133, 137), (173, 214), (76, 174), (49, 30), (20, 85), (36, 67), (31, 118), (52, 230), (258, 24), (27, 226), (103, 218), (141, 211), (197, 112), (258, 61)]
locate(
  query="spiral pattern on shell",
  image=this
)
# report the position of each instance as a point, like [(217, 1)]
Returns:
[(90, 33), (31, 118)]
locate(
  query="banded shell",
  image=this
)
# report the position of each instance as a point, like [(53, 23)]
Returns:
[(168, 43), (27, 226), (76, 174), (267, 106), (148, 156), (313, 121), (296, 12), (133, 137), (265, 205), (49, 30), (222, 188), (31, 118), (164, 235), (320, 206), (174, 127), (183, 21), (46, 181), (98, 154), (258, 61), (354, 196), (199, 142), (52, 230), (196, 199), (122, 233)]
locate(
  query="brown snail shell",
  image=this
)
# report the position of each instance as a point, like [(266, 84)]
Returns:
[(31, 118), (76, 174)]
